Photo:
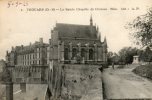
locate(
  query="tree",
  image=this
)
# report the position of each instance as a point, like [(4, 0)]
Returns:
[(112, 57), (126, 54), (146, 55), (141, 29), (109, 57)]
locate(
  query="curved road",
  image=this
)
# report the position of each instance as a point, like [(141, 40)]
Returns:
[(124, 84)]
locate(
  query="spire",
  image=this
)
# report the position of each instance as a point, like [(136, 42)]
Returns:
[(105, 41), (91, 21), (98, 33)]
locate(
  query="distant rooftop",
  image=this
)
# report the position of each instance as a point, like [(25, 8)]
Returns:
[(30, 47)]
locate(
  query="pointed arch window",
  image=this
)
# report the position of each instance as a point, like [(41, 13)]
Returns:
[(82, 52), (90, 54), (66, 54), (74, 52)]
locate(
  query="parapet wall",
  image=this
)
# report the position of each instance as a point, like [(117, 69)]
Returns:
[(30, 74)]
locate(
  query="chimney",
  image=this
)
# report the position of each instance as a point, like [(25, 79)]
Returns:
[(41, 40)]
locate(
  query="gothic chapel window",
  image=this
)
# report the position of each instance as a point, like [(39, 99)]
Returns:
[(66, 54), (90, 54), (82, 52), (74, 52)]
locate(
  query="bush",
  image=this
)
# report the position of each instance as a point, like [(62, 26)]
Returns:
[(144, 71)]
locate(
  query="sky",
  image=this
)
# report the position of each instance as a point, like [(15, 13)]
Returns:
[(19, 26)]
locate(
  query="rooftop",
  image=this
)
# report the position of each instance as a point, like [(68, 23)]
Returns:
[(73, 30)]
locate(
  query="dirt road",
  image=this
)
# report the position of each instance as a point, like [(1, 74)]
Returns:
[(123, 83)]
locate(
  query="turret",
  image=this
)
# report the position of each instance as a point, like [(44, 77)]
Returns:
[(105, 42), (7, 53), (97, 29), (98, 33), (91, 26), (105, 50)]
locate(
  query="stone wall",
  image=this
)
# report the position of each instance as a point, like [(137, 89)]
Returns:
[(30, 74), (74, 81)]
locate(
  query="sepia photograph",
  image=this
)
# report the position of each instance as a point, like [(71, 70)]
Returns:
[(75, 50)]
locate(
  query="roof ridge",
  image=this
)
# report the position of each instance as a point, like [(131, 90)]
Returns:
[(71, 24)]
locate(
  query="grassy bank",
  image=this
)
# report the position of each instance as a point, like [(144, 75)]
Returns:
[(144, 71)]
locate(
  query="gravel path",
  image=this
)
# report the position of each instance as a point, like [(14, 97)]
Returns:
[(123, 83)]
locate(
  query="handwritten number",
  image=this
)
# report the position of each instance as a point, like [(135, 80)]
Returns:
[(16, 4)]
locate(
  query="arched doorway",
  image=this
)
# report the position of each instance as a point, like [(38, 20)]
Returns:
[(90, 54)]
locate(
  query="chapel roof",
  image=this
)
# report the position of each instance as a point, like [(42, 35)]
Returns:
[(73, 30)]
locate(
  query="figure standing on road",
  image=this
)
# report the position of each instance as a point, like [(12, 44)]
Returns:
[(112, 65)]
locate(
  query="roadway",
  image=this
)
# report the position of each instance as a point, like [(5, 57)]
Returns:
[(124, 84)]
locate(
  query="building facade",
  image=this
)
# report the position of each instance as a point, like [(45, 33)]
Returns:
[(72, 43), (33, 54), (2, 65), (28, 63), (69, 44)]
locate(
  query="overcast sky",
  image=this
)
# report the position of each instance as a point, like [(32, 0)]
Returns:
[(22, 27)]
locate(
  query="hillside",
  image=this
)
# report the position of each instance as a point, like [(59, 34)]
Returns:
[(144, 71)]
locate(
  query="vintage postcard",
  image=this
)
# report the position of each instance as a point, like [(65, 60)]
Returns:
[(75, 49)]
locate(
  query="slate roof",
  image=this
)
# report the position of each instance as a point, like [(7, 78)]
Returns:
[(29, 48), (73, 30)]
